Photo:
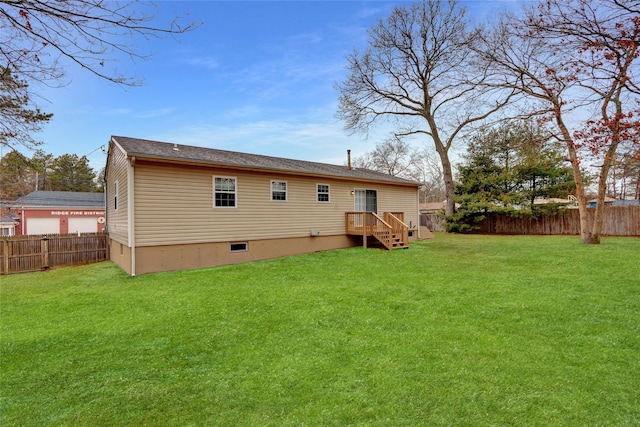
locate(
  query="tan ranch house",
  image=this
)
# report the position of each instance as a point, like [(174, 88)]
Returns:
[(174, 207)]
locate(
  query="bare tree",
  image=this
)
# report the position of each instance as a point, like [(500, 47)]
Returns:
[(39, 39), (428, 171), (38, 34), (529, 65), (573, 58), (605, 37), (420, 73), (392, 156), (623, 176), (396, 157)]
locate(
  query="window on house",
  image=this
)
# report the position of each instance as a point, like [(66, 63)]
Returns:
[(322, 192), (115, 196), (239, 247), (279, 190), (224, 192)]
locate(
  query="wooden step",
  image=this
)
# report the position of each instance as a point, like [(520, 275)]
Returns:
[(397, 241)]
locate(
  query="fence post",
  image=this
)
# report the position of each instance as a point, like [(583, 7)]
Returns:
[(45, 252), (107, 248), (5, 258)]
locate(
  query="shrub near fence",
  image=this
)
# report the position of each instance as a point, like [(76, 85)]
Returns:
[(432, 221), (618, 221), (21, 254)]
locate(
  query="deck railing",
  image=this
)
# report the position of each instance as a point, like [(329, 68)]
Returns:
[(398, 228), (369, 224), (381, 230), (399, 215), (355, 222)]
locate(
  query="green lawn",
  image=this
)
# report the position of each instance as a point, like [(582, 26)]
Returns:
[(460, 330)]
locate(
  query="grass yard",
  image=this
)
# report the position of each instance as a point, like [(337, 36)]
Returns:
[(461, 330)]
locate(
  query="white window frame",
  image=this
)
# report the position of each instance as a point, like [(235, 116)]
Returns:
[(286, 190), (318, 193), (235, 192), (115, 195)]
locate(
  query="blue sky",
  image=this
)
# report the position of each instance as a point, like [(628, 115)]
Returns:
[(255, 77)]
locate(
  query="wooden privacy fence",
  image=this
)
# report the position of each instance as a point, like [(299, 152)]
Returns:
[(21, 254), (618, 221)]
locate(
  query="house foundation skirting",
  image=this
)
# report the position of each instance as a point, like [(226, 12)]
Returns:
[(121, 255), (153, 259)]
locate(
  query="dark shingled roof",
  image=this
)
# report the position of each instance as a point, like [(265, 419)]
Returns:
[(143, 148), (67, 199), (5, 212)]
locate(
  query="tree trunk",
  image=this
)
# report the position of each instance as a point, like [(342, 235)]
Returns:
[(599, 211), (447, 174), (585, 236), (596, 231), (450, 207)]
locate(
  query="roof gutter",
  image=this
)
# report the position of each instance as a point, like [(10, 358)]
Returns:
[(173, 160)]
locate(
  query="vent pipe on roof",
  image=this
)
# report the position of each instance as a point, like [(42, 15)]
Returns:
[(175, 147), (349, 159)]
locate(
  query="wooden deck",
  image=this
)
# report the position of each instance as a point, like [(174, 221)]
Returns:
[(391, 231)]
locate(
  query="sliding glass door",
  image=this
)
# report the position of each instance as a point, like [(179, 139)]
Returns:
[(366, 201)]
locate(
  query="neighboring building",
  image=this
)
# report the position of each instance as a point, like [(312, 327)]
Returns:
[(7, 219), (172, 207), (430, 216), (632, 202), (571, 202), (608, 201), (433, 207), (59, 212)]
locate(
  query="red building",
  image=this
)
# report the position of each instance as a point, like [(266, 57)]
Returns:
[(59, 212)]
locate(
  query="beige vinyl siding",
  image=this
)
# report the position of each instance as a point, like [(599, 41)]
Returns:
[(399, 199), (117, 219), (174, 205)]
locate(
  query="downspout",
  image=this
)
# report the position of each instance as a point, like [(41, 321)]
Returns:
[(105, 197), (106, 194), (22, 221), (130, 212), (419, 218)]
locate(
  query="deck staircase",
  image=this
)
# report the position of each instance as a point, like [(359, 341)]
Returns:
[(390, 232)]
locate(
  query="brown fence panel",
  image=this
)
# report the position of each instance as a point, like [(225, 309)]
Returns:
[(621, 221), (566, 223), (618, 221), (74, 250), (21, 254)]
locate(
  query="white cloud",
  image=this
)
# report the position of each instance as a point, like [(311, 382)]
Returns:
[(153, 113), (313, 141), (118, 111), (205, 61), (138, 114)]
